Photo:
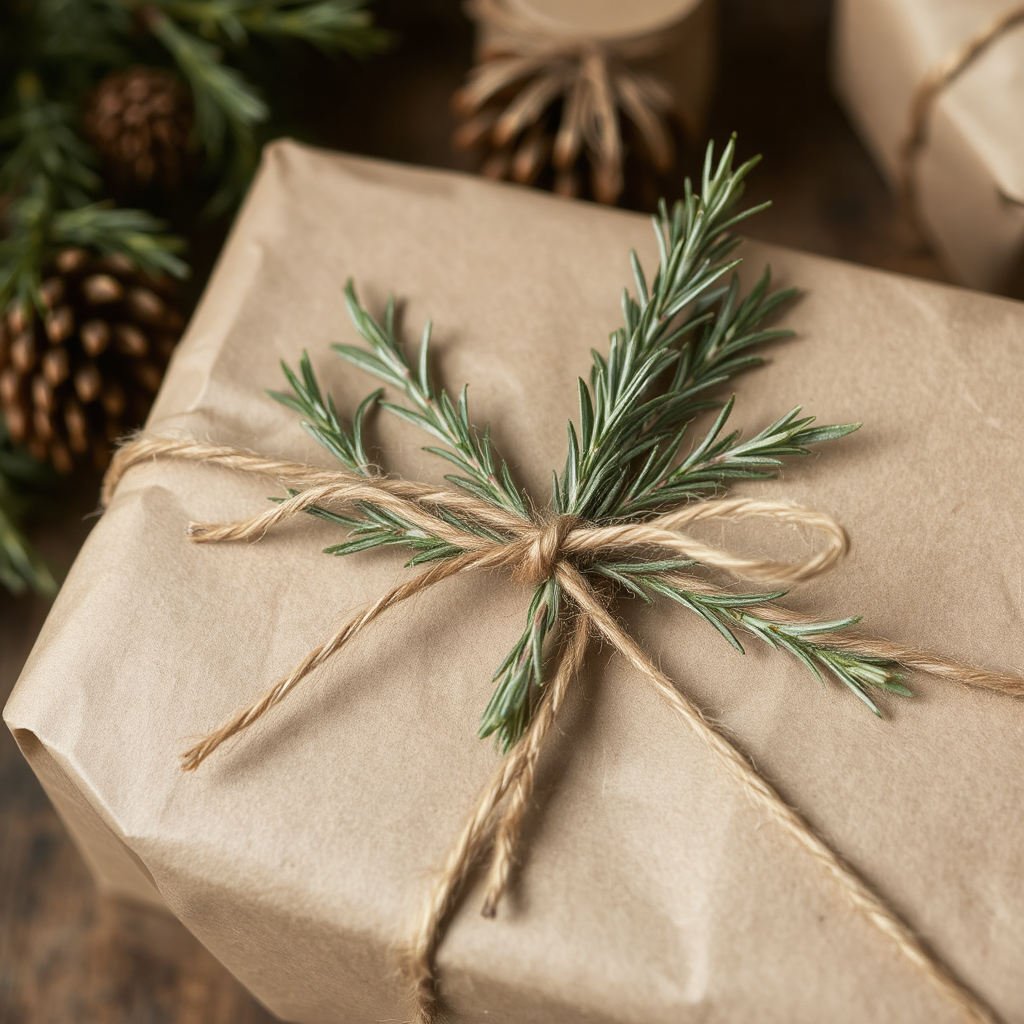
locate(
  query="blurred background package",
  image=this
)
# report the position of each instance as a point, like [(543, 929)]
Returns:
[(936, 91)]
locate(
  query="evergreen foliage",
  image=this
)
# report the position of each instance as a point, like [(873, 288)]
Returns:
[(52, 191), (684, 335), (23, 482)]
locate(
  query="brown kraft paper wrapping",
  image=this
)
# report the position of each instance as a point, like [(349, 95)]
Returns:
[(651, 889), (969, 175)]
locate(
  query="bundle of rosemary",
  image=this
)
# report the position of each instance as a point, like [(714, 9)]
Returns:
[(685, 334)]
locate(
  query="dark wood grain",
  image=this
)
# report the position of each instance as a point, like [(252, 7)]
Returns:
[(67, 955)]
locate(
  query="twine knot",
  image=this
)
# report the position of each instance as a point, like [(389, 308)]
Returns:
[(545, 551)]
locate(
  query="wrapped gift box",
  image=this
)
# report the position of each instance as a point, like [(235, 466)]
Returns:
[(968, 176), (652, 890)]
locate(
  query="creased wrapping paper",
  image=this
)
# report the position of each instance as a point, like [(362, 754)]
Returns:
[(651, 890), (969, 176)]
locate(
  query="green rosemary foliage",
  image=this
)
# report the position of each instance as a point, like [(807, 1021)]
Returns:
[(716, 460), (683, 336), (727, 612), (21, 481), (320, 417), (373, 527), (511, 706), (430, 409)]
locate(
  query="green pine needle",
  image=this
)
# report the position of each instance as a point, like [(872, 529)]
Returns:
[(328, 24), (225, 103), (49, 172), (22, 482), (228, 107)]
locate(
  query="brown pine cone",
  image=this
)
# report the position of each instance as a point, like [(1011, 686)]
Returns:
[(529, 156), (76, 378), (140, 122)]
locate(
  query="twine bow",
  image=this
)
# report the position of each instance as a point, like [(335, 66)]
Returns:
[(591, 76), (535, 550)]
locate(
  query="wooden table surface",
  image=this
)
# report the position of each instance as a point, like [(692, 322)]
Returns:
[(68, 956)]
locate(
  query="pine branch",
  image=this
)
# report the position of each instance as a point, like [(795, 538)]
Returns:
[(22, 479), (48, 171), (67, 39), (329, 24), (37, 230), (135, 234), (23, 251), (39, 143), (226, 105)]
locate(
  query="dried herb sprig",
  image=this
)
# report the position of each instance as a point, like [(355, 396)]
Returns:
[(683, 336)]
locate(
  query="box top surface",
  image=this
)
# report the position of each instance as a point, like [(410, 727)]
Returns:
[(300, 855)]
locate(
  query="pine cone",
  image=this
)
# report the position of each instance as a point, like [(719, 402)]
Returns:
[(530, 155), (74, 380), (140, 121)]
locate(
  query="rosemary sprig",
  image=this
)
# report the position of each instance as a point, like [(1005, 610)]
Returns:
[(375, 527), (716, 460), (683, 336), (808, 643)]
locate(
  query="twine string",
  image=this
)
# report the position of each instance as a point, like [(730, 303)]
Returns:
[(558, 548), (513, 778), (935, 80)]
